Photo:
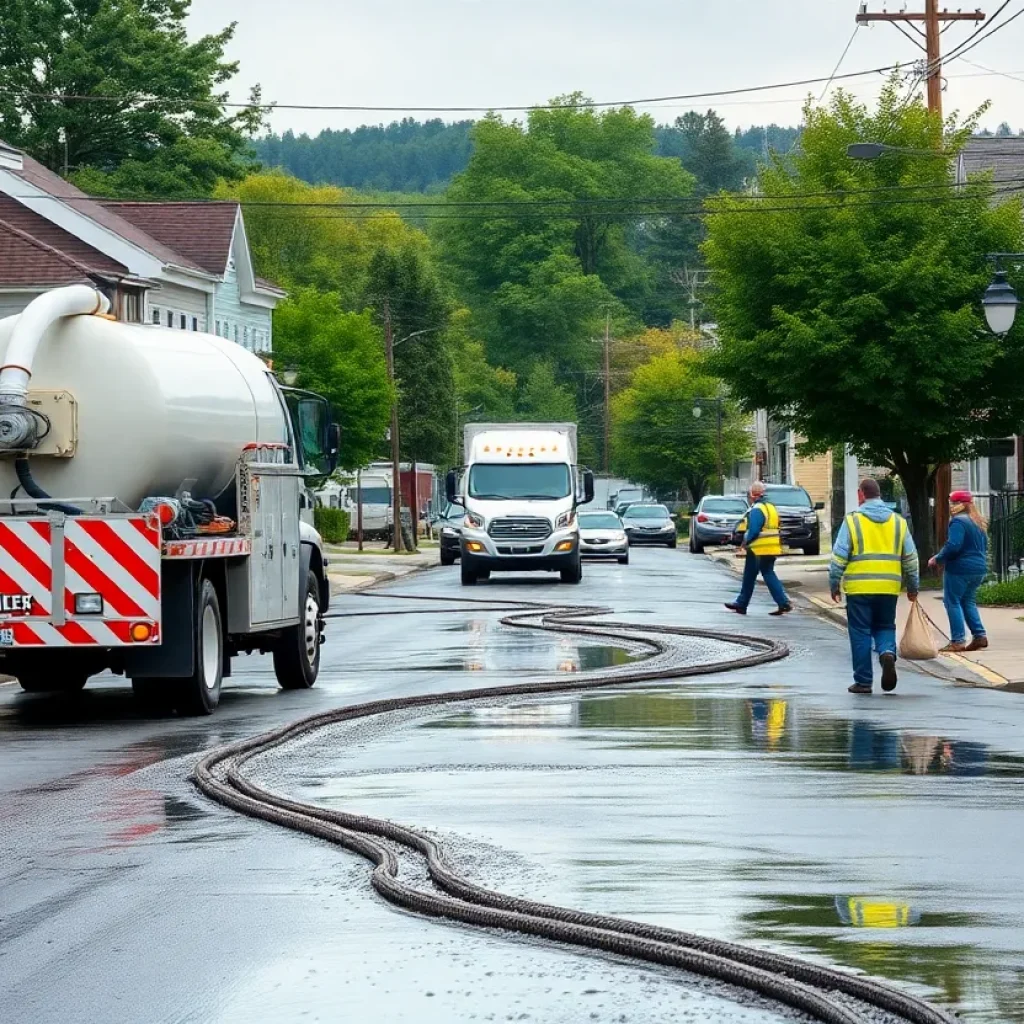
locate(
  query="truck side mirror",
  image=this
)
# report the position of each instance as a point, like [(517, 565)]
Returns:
[(819, 506), (451, 485), (333, 445), (588, 487)]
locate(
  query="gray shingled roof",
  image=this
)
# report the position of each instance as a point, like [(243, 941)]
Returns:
[(1003, 157)]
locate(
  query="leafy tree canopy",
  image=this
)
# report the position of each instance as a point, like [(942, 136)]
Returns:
[(339, 355), (167, 133), (859, 316), (657, 440)]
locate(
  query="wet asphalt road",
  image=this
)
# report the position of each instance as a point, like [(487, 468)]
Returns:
[(765, 805)]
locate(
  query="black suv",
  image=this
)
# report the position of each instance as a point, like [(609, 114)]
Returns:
[(798, 517)]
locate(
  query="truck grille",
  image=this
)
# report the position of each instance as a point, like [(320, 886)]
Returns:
[(520, 528)]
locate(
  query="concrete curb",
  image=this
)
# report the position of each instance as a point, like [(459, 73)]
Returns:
[(378, 579)]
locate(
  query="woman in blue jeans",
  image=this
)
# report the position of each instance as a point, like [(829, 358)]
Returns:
[(964, 559)]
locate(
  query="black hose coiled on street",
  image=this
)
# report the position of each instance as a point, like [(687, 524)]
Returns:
[(787, 980), (33, 490)]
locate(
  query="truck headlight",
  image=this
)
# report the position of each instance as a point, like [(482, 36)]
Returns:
[(474, 521), (565, 519), (811, 517)]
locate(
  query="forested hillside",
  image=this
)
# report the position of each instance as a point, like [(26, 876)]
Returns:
[(423, 156)]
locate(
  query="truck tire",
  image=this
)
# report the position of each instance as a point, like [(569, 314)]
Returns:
[(447, 558), (199, 693), (574, 574), (468, 573), (49, 682), (297, 656), (814, 548)]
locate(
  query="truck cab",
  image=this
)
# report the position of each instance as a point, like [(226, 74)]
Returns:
[(520, 489)]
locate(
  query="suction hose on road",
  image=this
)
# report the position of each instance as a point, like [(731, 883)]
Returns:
[(825, 993)]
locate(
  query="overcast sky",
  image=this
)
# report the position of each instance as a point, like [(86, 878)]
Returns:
[(402, 53)]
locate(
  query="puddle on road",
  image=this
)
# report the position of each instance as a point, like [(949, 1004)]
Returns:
[(761, 819), (800, 737)]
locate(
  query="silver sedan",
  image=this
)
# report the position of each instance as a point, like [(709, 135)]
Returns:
[(602, 536)]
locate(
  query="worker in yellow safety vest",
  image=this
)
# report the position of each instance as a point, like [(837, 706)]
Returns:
[(762, 542), (872, 554)]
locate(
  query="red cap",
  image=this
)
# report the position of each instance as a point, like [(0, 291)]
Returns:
[(962, 497)]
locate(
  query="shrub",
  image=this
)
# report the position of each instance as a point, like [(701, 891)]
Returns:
[(331, 524), (683, 525), (1002, 594)]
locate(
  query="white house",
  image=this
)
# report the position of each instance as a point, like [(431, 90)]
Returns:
[(183, 265)]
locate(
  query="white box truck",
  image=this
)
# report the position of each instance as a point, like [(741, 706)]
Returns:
[(520, 488), (156, 518)]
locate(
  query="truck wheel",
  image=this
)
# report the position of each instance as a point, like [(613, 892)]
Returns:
[(447, 558), (297, 657), (813, 548), (47, 682), (468, 573), (199, 694), (574, 574)]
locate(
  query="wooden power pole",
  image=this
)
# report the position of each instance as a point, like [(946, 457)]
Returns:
[(932, 19), (607, 394), (396, 466)]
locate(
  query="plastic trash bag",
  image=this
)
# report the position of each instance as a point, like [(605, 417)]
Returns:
[(917, 642)]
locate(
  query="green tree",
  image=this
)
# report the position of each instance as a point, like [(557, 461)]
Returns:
[(340, 355), (858, 317), (656, 438), (543, 399), (403, 287), (484, 392), (166, 133)]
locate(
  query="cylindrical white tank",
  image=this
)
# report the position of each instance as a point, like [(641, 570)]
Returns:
[(156, 407)]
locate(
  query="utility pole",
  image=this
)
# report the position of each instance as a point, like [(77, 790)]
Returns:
[(359, 508), (932, 19), (396, 468), (721, 474), (607, 393)]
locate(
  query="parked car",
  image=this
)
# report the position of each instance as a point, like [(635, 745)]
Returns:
[(798, 517), (649, 524), (602, 535), (620, 508), (449, 531), (715, 519)]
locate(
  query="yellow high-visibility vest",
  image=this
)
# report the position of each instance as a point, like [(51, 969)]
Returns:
[(769, 540), (876, 555)]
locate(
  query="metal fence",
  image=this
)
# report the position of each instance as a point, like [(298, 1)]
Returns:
[(1007, 533)]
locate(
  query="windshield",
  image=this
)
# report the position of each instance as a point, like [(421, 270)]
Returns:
[(375, 495), (724, 505), (647, 512), (508, 481), (788, 496), (596, 521)]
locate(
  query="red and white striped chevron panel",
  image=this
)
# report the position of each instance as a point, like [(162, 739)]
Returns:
[(117, 558)]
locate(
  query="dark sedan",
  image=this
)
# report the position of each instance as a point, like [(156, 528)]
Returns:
[(449, 529), (649, 524)]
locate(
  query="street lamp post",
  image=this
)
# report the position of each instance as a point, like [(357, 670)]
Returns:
[(697, 413)]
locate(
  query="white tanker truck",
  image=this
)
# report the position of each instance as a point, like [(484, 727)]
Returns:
[(155, 518)]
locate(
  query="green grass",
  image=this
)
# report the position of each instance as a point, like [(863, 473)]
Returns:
[(1002, 595)]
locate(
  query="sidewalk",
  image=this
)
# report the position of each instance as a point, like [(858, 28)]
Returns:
[(350, 570), (1001, 666)]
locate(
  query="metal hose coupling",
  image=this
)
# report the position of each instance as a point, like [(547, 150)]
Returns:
[(20, 427)]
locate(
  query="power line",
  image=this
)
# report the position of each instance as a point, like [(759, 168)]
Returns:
[(839, 63), (583, 202), (272, 106)]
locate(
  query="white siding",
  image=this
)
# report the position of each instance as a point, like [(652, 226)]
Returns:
[(251, 324), (189, 303)]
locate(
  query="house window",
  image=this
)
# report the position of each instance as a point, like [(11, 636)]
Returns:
[(170, 319), (218, 328), (183, 321), (155, 316), (195, 323), (245, 336), (236, 334)]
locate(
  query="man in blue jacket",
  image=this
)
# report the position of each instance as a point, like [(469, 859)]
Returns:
[(871, 555)]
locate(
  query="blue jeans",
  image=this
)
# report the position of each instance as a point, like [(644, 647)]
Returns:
[(958, 595), (765, 565), (870, 618)]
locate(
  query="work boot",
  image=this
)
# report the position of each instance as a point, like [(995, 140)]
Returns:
[(783, 609), (954, 647), (888, 663), (979, 643), (859, 688), (737, 608)]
